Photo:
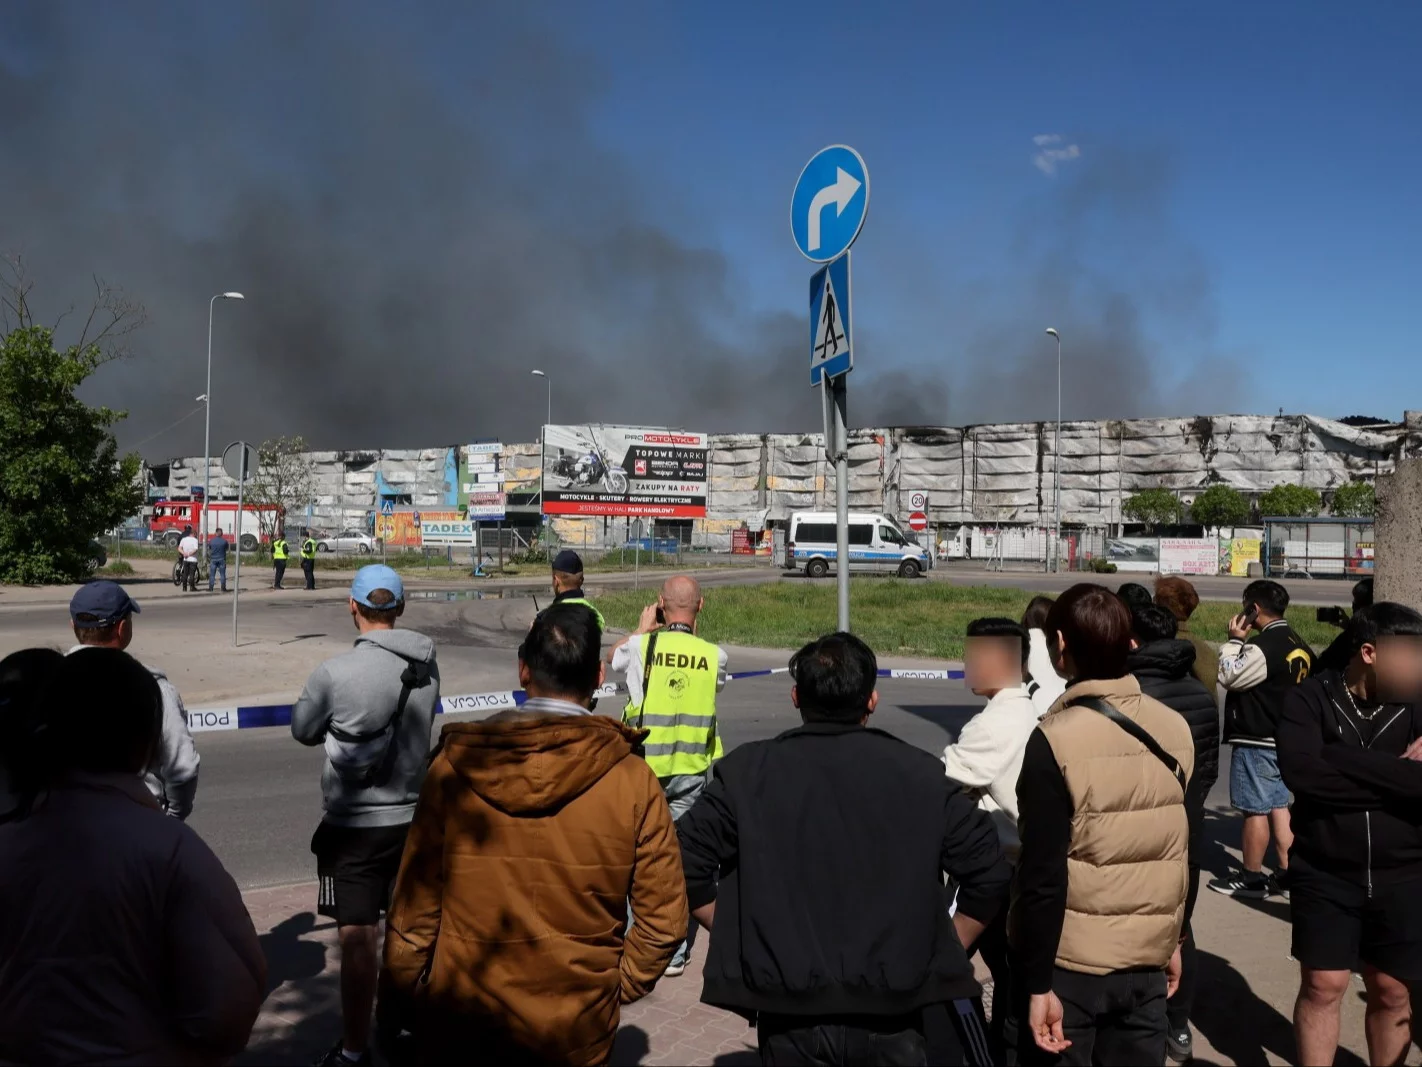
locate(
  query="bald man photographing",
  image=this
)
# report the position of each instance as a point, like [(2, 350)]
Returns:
[(673, 677)]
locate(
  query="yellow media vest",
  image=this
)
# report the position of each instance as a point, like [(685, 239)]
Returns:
[(585, 602), (308, 548), (680, 705), (279, 548)]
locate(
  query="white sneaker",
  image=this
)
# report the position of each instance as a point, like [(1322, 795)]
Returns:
[(676, 970)]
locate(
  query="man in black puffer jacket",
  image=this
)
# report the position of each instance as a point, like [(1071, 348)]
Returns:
[(1164, 667)]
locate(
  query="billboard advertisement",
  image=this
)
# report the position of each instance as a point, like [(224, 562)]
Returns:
[(481, 481), (402, 528), (1189, 555), (624, 470)]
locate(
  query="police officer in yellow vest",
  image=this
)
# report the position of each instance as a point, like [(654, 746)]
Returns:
[(308, 558), (568, 583), (280, 551), (673, 698)]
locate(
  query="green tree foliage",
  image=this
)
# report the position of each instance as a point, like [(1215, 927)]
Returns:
[(62, 483), (285, 478), (1154, 507), (1220, 505), (1356, 500), (1290, 501)]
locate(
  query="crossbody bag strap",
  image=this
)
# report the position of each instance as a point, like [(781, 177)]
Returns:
[(647, 657), (1137, 731), (415, 676)]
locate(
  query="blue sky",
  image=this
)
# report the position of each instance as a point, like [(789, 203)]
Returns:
[(1289, 132)]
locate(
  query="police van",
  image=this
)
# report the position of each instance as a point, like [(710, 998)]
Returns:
[(876, 545)]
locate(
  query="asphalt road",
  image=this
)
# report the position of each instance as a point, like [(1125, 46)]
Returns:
[(259, 793)]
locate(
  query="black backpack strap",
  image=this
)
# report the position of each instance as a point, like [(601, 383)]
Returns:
[(416, 675), (1137, 731), (647, 657), (1032, 687)]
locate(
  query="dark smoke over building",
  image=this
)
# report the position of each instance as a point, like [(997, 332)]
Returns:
[(416, 234)]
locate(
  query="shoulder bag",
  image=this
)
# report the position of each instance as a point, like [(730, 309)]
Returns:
[(1137, 731)]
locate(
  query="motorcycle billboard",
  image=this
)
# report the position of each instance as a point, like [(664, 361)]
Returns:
[(624, 470)]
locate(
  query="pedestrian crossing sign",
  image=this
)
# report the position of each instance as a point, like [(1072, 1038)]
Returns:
[(831, 353)]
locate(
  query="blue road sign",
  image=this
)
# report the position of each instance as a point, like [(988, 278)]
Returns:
[(831, 353), (387, 506), (830, 200)]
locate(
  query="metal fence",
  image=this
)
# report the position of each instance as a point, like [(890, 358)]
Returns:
[(1318, 548)]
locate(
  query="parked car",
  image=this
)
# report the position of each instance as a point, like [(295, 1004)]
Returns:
[(347, 541)]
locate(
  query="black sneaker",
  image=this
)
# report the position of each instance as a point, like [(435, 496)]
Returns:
[(336, 1058), (1180, 1045), (1249, 886), (1279, 884)]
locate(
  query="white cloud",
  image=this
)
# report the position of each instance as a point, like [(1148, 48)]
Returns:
[(1050, 155)]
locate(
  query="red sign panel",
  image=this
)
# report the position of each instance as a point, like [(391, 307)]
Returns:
[(918, 521)]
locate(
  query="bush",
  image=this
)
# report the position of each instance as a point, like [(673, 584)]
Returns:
[(1101, 566), (117, 569)]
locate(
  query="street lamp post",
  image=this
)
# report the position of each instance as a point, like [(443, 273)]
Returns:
[(1057, 461), (543, 437), (207, 432)]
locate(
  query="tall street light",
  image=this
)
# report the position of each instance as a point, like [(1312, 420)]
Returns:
[(1057, 460), (207, 432), (540, 374), (543, 437)]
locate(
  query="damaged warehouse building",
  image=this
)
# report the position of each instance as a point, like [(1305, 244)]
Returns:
[(1000, 475)]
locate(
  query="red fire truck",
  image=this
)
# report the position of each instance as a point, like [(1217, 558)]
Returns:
[(170, 516)]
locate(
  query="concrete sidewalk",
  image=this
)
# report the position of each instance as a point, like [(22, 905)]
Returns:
[(302, 1014), (1242, 1015)]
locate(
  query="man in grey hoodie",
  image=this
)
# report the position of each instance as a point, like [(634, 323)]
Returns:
[(372, 708), (102, 616)]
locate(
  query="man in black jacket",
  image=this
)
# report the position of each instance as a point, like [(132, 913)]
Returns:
[(1164, 666), (828, 926), (1350, 748), (1257, 673)]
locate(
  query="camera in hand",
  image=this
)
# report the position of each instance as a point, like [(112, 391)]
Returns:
[(1333, 616)]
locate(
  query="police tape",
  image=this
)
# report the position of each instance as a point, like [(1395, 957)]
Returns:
[(259, 716)]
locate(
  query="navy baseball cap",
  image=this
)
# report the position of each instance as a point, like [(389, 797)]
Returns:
[(568, 561), (377, 576), (107, 601)]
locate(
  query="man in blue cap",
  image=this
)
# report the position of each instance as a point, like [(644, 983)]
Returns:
[(373, 709), (568, 583), (102, 615)]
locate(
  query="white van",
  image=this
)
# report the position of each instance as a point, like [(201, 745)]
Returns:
[(876, 545)]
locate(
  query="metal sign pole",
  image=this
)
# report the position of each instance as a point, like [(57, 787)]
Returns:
[(840, 393)]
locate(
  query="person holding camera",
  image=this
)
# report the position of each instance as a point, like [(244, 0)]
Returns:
[(1258, 673), (673, 677), (1338, 653)]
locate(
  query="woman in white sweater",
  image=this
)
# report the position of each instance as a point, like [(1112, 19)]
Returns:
[(1043, 681)]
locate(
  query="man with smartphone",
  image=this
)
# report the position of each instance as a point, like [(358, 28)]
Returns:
[(673, 677), (1258, 673)]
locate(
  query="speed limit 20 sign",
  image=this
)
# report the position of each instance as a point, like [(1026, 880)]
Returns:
[(918, 501)]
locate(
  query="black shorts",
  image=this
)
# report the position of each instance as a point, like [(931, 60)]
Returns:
[(357, 867), (1338, 927)]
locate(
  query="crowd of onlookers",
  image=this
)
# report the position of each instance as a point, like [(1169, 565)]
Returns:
[(542, 867)]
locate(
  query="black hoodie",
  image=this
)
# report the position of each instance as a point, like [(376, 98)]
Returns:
[(829, 840), (1357, 809)]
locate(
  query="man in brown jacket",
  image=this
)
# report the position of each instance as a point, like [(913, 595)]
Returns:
[(506, 940), (1099, 897)]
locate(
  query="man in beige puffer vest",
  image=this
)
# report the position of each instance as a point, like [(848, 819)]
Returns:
[(1100, 890)]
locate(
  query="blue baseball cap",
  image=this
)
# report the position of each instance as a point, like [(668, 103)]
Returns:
[(107, 602), (377, 576)]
